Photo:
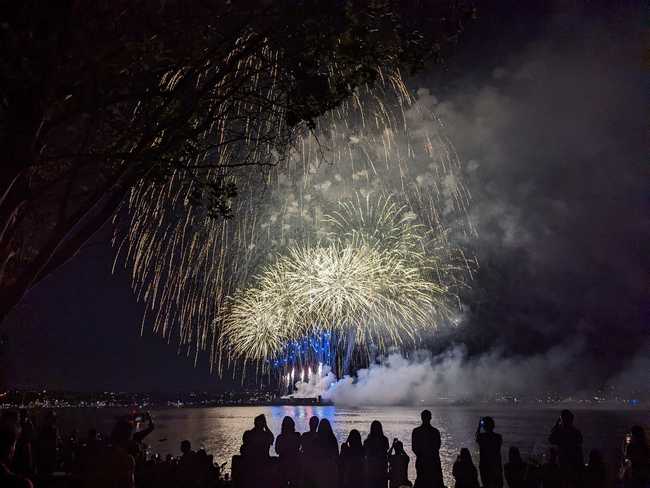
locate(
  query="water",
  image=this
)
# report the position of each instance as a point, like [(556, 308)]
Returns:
[(219, 430)]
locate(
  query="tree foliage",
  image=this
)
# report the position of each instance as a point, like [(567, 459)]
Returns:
[(98, 96)]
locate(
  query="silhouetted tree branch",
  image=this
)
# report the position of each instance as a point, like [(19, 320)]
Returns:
[(97, 97)]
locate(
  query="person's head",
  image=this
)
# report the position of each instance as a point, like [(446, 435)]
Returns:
[(488, 424), (288, 425), (121, 433), (514, 456), (313, 423), (376, 430), (399, 447), (354, 439), (260, 421), (567, 418), (325, 428), (186, 446), (426, 416), (465, 456), (7, 445), (638, 435)]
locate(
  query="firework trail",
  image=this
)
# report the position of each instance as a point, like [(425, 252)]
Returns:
[(375, 190), (375, 281)]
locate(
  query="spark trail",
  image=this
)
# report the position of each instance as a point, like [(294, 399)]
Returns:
[(375, 193)]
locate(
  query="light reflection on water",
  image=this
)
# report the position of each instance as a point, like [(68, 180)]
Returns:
[(219, 430)]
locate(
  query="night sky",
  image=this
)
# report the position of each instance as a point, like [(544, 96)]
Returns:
[(547, 106)]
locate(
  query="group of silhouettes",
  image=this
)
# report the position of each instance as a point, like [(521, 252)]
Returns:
[(29, 456), (42, 457), (313, 459)]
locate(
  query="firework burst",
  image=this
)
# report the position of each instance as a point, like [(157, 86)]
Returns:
[(373, 284), (359, 225)]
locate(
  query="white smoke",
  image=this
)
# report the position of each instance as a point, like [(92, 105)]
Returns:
[(315, 385), (450, 376)]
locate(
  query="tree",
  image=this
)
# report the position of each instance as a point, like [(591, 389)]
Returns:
[(97, 97)]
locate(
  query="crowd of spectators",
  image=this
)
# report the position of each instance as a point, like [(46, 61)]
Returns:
[(44, 458), (313, 459), (41, 457)]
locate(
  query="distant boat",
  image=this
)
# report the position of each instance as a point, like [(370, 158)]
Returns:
[(301, 401)]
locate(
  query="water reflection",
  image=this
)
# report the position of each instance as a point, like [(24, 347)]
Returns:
[(220, 430)]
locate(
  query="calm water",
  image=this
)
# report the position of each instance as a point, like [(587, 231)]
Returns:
[(219, 430)]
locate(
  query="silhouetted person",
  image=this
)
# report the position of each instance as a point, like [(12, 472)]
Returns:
[(464, 471), (568, 440), (90, 457), (287, 446), (187, 466), (24, 459), (398, 466), (375, 449), (257, 441), (255, 452), (308, 447), (204, 467), (636, 472), (549, 473), (48, 440), (327, 456), (352, 461), (137, 447), (308, 439), (595, 474), (425, 442), (116, 467), (489, 443), (516, 471), (8, 479)]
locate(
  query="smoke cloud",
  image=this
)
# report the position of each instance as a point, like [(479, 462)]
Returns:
[(454, 376), (553, 138)]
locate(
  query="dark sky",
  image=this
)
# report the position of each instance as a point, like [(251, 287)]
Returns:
[(547, 105)]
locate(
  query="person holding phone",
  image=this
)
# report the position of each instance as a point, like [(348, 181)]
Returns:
[(398, 465), (257, 441), (489, 443)]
